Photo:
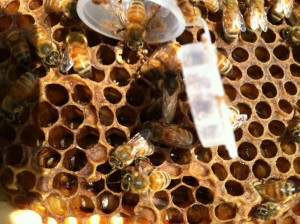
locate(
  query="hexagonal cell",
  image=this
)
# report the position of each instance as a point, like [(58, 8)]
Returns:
[(104, 168), (172, 215), (106, 116), (236, 74), (204, 195), (129, 201), (295, 53), (97, 75), (7, 135), (65, 183), (256, 129), (191, 181), (296, 165), (115, 137), (126, 116), (48, 158), (135, 96), (249, 36), (119, 76), (247, 151), (276, 127), (269, 36), (220, 171), (234, 188), (198, 214), (23, 21), (82, 94), (16, 156), (182, 197), (225, 211), (60, 137), (45, 114), (82, 205), (87, 137), (72, 116), (223, 152), (281, 52), (160, 199), (203, 154), (268, 148), (35, 4), (261, 169), (107, 202), (288, 147), (185, 38), (211, 33), (255, 72), (74, 160), (105, 55), (130, 56), (249, 91), (174, 183), (262, 54), (60, 34), (57, 94), (245, 109), (57, 204), (113, 182), (230, 91), (157, 158), (26, 180), (239, 170), (240, 54), (263, 110), (94, 187), (5, 23), (32, 136), (295, 70), (276, 72), (283, 165), (12, 7), (112, 95), (290, 88), (238, 134), (269, 90), (180, 156), (55, 18)]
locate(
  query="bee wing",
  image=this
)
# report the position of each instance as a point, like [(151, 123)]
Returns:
[(66, 62), (169, 105), (258, 18), (140, 141), (288, 8), (239, 21)]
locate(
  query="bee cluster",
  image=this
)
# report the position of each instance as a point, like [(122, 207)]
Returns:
[(111, 136)]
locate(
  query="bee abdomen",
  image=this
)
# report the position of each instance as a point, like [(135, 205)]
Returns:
[(136, 11), (159, 180), (24, 85)]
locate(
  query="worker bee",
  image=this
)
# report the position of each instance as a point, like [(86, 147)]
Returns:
[(141, 183), (294, 19), (212, 5), (18, 46), (76, 54), (292, 34), (269, 210), (137, 146), (67, 7), (14, 101), (233, 20), (236, 119), (256, 16), (191, 13), (224, 65), (170, 134), (281, 9), (279, 191)]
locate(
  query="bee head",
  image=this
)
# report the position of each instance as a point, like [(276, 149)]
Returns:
[(262, 212), (52, 59), (114, 162), (285, 33), (126, 182), (135, 45)]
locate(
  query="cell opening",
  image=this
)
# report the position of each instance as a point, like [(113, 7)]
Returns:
[(72, 116), (65, 183), (12, 7), (105, 55), (269, 36), (94, 187), (238, 134), (198, 214), (269, 90), (239, 170), (161, 199), (60, 34), (74, 160), (249, 91), (225, 211), (295, 70), (262, 54), (182, 197), (60, 137), (113, 182), (47, 115), (7, 135), (268, 148), (220, 171), (261, 169), (130, 56), (285, 106), (104, 168), (174, 183), (290, 88), (201, 31), (120, 76), (32, 136), (288, 147), (256, 129), (82, 94), (230, 91), (97, 75), (240, 54), (296, 165), (263, 110), (288, 220), (157, 158), (115, 137), (15, 155), (255, 72), (276, 127), (185, 38), (249, 36), (82, 205), (135, 96), (106, 116), (295, 52), (26, 180), (129, 201), (57, 94), (126, 116), (55, 18), (234, 188), (108, 202), (57, 204), (48, 158), (247, 151), (215, 17), (276, 72), (223, 152), (283, 165), (87, 137), (35, 4), (204, 195), (191, 181), (236, 74), (203, 154), (172, 215), (180, 156), (281, 52), (112, 95), (5, 23)]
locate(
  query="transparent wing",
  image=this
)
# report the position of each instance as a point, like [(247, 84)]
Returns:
[(169, 105), (239, 21), (258, 18), (288, 8), (140, 140), (66, 62)]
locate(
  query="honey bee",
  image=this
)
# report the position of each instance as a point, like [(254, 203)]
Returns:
[(212, 5), (76, 54), (256, 16), (14, 101), (18, 47), (292, 34), (279, 191), (224, 65), (236, 119), (67, 7), (137, 146), (170, 134), (269, 210), (233, 20), (191, 13), (141, 183), (281, 9), (294, 19)]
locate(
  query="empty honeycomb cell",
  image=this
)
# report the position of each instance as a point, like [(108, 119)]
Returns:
[(94, 187), (60, 34), (105, 55), (262, 54), (249, 90), (288, 220), (12, 7), (82, 205), (182, 197), (15, 155), (60, 137), (203, 154), (48, 158), (249, 36), (234, 188), (215, 17), (119, 76), (295, 52), (157, 158), (236, 74), (269, 36), (172, 215), (185, 38), (261, 169), (268, 148), (160, 199), (115, 137), (112, 95), (288, 147), (23, 21), (290, 88), (46, 114), (240, 54), (283, 165), (256, 129), (32, 136), (87, 137), (285, 106), (247, 151), (129, 201), (106, 116), (130, 56), (54, 18), (281, 52), (4, 54), (296, 165), (180, 156), (269, 90), (255, 72), (223, 153), (276, 127), (239, 170), (174, 183), (97, 75), (26, 180), (57, 94), (238, 134), (220, 171), (74, 160), (57, 204), (191, 181), (295, 70), (7, 135), (82, 94), (198, 214), (107, 202), (5, 22), (72, 116), (104, 168), (296, 209), (263, 110), (135, 96), (204, 195), (126, 116), (225, 211), (113, 181), (230, 91), (276, 72), (35, 4), (65, 183)]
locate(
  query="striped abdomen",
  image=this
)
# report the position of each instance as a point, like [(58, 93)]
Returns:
[(136, 12), (24, 86), (159, 180)]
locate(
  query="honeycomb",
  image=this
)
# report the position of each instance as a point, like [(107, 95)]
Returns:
[(53, 158)]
